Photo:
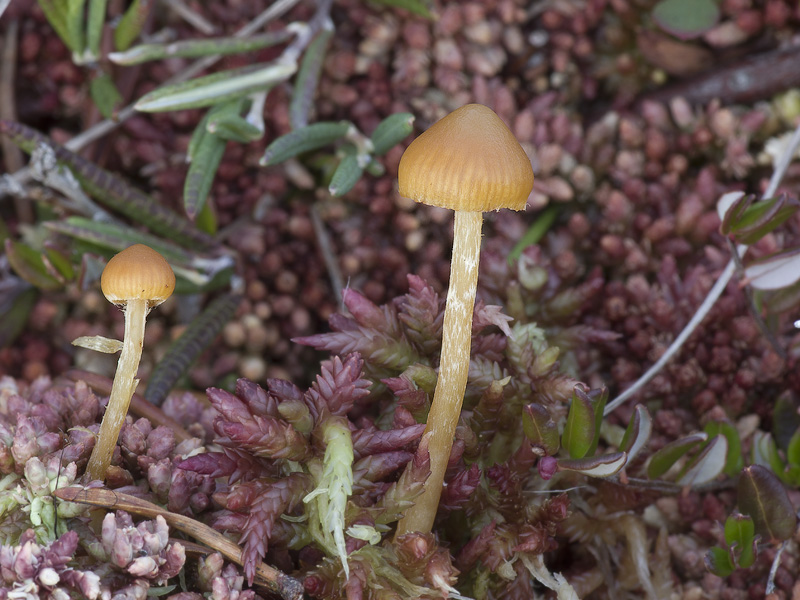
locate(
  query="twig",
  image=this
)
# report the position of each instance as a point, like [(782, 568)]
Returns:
[(194, 19), (288, 587), (326, 249), (716, 291), (774, 568), (12, 156), (751, 306)]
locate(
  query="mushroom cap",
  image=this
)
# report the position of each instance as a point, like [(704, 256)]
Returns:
[(137, 273), (469, 160)]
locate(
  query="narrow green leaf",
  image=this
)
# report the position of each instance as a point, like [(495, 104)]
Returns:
[(131, 24), (793, 450), (785, 419), (111, 190), (17, 298), (57, 263), (56, 14), (718, 561), (305, 84), (605, 465), (235, 128), (416, 7), (708, 463), (599, 397), (215, 88), (391, 131), (28, 264), (200, 131), (734, 460), (541, 225), (346, 175), (202, 171), (540, 428), (94, 26), (637, 433), (762, 496), (75, 25), (105, 94), (663, 459), (579, 431), (375, 168), (311, 137), (760, 218), (189, 346), (116, 238), (198, 48)]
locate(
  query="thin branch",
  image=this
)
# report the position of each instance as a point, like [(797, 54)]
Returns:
[(774, 568), (192, 17), (716, 291), (326, 249)]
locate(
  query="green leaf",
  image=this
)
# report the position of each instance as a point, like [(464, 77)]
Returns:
[(637, 433), (762, 496), (189, 346), (599, 399), (662, 460), (748, 223), (202, 171), (55, 11), (311, 137), (235, 128), (111, 190), (708, 463), (131, 24), (305, 84), (579, 431), (540, 428), (346, 175), (94, 26), (57, 263), (198, 48), (541, 225), (739, 530), (17, 298), (74, 13), (215, 88), (391, 131), (718, 561), (734, 460), (686, 19), (105, 94), (793, 450), (29, 265), (605, 465), (785, 419), (416, 7)]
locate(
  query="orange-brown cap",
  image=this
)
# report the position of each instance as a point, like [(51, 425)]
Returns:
[(137, 273), (469, 160)]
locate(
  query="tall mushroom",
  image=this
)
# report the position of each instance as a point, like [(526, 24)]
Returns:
[(470, 162), (136, 280)]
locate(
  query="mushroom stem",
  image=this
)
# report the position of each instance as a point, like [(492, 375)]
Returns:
[(453, 367), (122, 389)]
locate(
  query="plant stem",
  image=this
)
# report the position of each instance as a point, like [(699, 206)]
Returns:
[(453, 367), (122, 390)]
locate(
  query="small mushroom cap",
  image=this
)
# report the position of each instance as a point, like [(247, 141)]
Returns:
[(469, 160), (137, 273)]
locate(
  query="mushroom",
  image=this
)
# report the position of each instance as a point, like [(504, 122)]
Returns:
[(136, 280), (470, 162)]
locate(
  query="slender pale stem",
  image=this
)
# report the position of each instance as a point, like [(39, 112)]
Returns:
[(122, 390), (453, 367)]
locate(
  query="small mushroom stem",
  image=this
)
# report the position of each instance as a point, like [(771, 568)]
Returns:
[(122, 389), (453, 367)]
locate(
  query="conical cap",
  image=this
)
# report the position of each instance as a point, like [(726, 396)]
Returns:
[(469, 160)]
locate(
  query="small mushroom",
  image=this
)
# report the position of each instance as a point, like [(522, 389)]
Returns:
[(136, 280), (468, 161)]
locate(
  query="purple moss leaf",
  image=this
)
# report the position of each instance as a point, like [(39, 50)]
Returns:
[(257, 399), (338, 386), (371, 440), (460, 488), (472, 551), (265, 437), (486, 315), (422, 313)]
